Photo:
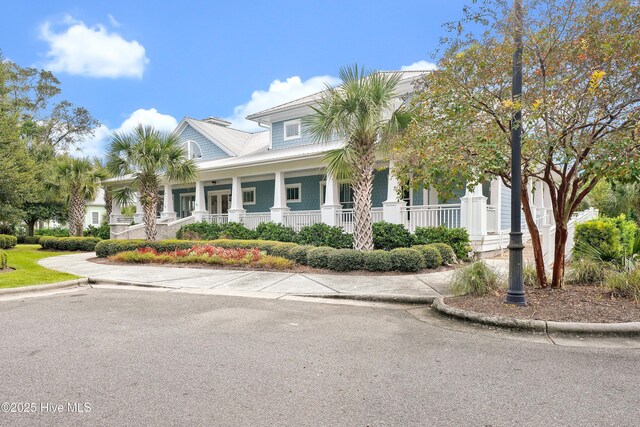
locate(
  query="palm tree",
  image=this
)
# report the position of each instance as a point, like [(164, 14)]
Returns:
[(78, 179), (360, 111), (146, 155)]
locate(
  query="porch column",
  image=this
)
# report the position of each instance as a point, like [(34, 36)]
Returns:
[(139, 215), (473, 212), (167, 212), (331, 201), (200, 206), (280, 208), (236, 211), (392, 207), (496, 201), (433, 196), (548, 206), (538, 200), (115, 212)]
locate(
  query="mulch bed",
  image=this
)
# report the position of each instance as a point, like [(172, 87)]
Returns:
[(592, 304)]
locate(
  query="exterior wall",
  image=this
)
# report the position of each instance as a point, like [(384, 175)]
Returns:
[(210, 151), (309, 192), (380, 184), (102, 213), (277, 137), (264, 195)]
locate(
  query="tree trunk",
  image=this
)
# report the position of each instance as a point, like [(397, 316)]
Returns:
[(536, 242), (108, 201), (31, 225), (557, 281), (362, 188), (76, 214), (149, 201)]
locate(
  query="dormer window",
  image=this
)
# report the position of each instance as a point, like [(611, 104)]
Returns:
[(292, 129), (193, 150)]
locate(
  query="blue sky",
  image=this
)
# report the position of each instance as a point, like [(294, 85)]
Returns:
[(145, 61)]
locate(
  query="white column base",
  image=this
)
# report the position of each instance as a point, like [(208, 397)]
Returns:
[(198, 215), (473, 214), (235, 215), (277, 214), (168, 216), (329, 213), (392, 211)]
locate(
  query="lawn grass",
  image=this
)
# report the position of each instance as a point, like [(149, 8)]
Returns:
[(24, 259)]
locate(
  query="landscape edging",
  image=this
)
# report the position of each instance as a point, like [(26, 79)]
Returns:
[(45, 287), (545, 326)]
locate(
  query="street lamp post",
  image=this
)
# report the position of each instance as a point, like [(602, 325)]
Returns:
[(515, 293)]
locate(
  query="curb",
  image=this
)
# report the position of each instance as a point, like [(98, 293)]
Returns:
[(391, 298), (98, 281), (47, 287), (538, 326)]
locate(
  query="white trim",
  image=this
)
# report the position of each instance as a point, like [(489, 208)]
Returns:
[(188, 143), (182, 196), (323, 193), (289, 123), (297, 185), (216, 193), (97, 222), (247, 190)]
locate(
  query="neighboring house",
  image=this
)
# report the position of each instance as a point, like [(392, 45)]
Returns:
[(278, 175), (95, 213)]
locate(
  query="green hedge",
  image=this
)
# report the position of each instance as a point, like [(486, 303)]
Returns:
[(3, 260), (430, 254), (85, 244), (457, 238), (321, 234), (206, 231), (605, 238), (277, 232), (319, 257), (7, 241), (378, 260), (389, 236), (55, 232), (28, 240), (405, 259), (345, 260), (103, 232)]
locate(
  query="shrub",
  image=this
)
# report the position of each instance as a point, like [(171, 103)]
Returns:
[(636, 244), (103, 232), (85, 244), (199, 231), (281, 249), (299, 253), (478, 279), (446, 252), (587, 271), (108, 248), (605, 238), (378, 260), (345, 260), (430, 254), (457, 238), (56, 232), (625, 283), (274, 231), (319, 257), (405, 259), (321, 234), (28, 240), (389, 236), (529, 275), (7, 241), (236, 230), (3, 260)]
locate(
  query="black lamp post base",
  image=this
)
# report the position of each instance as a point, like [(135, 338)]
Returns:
[(515, 293)]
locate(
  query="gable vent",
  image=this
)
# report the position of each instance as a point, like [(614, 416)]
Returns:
[(216, 121)]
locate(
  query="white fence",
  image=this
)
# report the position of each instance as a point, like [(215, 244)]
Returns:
[(215, 218), (345, 219), (548, 230), (299, 219), (253, 219), (431, 216)]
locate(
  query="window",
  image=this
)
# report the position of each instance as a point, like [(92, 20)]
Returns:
[(293, 193), (249, 196), (291, 129), (193, 150), (95, 218), (346, 194)]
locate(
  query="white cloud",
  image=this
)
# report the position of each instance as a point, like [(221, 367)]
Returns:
[(279, 92), (114, 23), (419, 66), (98, 144), (92, 51)]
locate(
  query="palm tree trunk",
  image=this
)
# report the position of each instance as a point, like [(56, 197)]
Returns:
[(149, 201), (362, 189), (76, 214), (108, 201)]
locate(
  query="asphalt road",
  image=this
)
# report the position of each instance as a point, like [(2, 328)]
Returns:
[(151, 358)]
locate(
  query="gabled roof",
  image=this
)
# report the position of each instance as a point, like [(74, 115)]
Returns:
[(234, 142), (407, 78)]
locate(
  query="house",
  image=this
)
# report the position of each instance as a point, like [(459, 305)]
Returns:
[(95, 213), (277, 175)]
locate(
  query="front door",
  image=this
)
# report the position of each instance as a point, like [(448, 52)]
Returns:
[(187, 204), (219, 203)]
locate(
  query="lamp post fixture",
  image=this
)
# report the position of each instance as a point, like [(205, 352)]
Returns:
[(515, 293)]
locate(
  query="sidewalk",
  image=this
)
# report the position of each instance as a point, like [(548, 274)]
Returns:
[(264, 283)]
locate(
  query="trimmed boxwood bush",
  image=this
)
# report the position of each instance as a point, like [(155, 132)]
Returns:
[(103, 232), (406, 259), (28, 240), (321, 234), (199, 231), (378, 260), (298, 253), (277, 232), (87, 244), (319, 257), (345, 260), (605, 238), (430, 254), (236, 230), (55, 232), (447, 253), (7, 241), (3, 260), (389, 236), (457, 238)]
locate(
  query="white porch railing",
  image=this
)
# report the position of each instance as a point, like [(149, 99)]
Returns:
[(253, 219), (345, 219), (431, 216), (376, 215), (492, 219), (215, 218), (299, 219)]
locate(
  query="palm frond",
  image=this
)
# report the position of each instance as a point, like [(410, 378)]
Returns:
[(339, 163)]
